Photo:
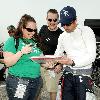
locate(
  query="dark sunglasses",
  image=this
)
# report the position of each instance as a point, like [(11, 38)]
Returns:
[(68, 24), (31, 30), (54, 20)]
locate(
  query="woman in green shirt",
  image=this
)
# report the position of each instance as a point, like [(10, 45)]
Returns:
[(23, 79)]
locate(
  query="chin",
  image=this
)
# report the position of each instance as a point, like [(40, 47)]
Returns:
[(52, 28), (30, 38), (68, 31)]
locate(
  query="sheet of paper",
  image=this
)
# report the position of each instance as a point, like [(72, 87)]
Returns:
[(42, 59)]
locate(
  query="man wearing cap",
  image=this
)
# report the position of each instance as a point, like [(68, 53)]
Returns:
[(79, 43)]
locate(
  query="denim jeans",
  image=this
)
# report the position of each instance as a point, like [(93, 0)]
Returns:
[(77, 87), (23, 88)]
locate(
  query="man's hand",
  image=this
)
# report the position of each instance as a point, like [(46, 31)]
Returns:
[(65, 60), (27, 49), (58, 68), (48, 64)]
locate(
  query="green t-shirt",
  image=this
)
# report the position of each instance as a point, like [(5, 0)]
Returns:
[(24, 67)]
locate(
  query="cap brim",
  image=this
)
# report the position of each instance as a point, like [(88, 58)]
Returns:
[(64, 22)]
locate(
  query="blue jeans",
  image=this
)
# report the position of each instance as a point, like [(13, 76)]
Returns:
[(75, 87), (23, 88)]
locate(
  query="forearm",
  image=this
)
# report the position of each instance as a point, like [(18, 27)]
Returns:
[(65, 61), (9, 61), (84, 60)]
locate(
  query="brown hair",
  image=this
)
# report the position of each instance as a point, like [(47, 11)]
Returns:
[(22, 24), (54, 11)]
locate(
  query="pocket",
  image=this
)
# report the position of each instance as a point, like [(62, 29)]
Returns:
[(10, 81)]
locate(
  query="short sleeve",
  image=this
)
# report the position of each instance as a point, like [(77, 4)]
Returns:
[(9, 45), (42, 30)]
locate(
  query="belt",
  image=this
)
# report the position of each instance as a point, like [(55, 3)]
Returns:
[(24, 78), (78, 71)]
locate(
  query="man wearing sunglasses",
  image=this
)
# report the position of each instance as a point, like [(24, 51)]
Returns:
[(50, 34), (79, 43)]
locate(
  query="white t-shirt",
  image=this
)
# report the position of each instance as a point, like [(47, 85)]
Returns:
[(79, 45)]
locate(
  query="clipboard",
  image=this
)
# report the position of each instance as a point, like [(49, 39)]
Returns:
[(42, 59)]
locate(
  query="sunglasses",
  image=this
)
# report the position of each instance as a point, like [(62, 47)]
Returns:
[(31, 30), (54, 20), (68, 24)]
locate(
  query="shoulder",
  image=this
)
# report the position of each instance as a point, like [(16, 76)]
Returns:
[(9, 45), (87, 33), (63, 35), (9, 40), (60, 30), (44, 27), (86, 28)]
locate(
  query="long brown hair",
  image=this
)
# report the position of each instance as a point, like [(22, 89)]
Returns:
[(22, 24)]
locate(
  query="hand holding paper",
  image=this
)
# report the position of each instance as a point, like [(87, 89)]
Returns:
[(47, 61)]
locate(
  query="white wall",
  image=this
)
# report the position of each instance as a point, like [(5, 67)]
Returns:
[(12, 10)]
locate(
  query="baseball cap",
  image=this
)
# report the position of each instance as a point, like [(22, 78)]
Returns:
[(67, 15)]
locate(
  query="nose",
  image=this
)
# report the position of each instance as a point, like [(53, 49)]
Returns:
[(52, 21), (31, 33)]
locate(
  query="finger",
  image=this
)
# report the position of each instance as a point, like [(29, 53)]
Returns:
[(29, 44), (56, 71)]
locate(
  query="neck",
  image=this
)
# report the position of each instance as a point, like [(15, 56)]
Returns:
[(53, 29)]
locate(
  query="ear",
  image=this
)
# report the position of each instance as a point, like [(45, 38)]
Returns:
[(75, 21)]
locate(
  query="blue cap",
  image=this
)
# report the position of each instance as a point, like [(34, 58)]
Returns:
[(67, 15)]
